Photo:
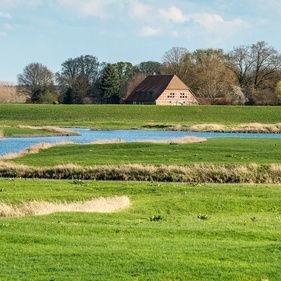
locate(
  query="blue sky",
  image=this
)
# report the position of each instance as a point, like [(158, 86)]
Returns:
[(52, 31)]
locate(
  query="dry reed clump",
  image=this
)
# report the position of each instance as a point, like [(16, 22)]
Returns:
[(206, 128), (1, 134), (275, 169), (98, 205), (53, 129), (208, 173), (10, 166), (106, 141), (258, 128), (175, 128), (33, 149), (9, 94), (178, 141)]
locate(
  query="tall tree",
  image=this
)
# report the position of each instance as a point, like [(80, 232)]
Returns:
[(174, 61), (278, 92), (208, 75), (125, 72), (109, 85), (150, 67), (38, 82), (257, 69), (77, 78)]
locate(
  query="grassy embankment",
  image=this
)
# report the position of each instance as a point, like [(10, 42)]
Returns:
[(127, 117), (170, 232)]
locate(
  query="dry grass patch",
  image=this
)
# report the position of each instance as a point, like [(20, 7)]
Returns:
[(177, 141), (258, 128), (206, 128), (99, 205), (52, 129), (9, 94), (32, 149)]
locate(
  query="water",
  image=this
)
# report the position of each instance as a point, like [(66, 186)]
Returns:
[(13, 145)]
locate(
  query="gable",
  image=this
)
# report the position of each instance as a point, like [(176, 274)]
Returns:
[(176, 84)]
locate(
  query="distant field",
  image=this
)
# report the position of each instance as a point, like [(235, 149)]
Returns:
[(127, 117), (170, 232)]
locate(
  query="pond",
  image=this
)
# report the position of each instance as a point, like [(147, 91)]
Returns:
[(13, 145)]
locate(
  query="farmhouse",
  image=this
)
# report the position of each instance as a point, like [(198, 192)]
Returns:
[(161, 90)]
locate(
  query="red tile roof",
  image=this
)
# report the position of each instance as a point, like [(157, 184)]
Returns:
[(150, 88)]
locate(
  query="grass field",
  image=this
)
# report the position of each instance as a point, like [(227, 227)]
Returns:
[(216, 151), (127, 117), (170, 232)]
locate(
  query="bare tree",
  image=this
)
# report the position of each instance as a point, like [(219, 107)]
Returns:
[(38, 82), (256, 67), (174, 61), (208, 76)]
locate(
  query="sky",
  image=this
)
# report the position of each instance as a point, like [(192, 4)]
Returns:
[(51, 31)]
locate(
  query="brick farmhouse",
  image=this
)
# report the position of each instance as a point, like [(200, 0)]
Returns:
[(161, 90)]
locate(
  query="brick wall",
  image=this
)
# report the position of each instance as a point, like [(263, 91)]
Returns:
[(176, 97)]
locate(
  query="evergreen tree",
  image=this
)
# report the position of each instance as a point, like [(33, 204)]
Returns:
[(109, 84)]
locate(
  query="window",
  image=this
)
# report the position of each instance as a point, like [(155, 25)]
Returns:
[(171, 96), (183, 96)]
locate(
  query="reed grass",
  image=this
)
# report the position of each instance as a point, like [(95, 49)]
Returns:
[(53, 129), (258, 128), (206, 128), (98, 205), (207, 173), (33, 149)]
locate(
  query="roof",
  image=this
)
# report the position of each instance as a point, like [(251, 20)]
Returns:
[(153, 86)]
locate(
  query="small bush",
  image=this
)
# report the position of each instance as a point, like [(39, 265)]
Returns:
[(203, 217), (156, 218)]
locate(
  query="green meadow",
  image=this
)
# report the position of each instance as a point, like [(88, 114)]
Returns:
[(181, 230), (127, 117), (169, 232), (215, 151)]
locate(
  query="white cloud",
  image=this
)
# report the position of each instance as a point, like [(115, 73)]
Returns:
[(96, 8), (214, 21), (208, 21), (2, 34), (149, 31), (173, 14), (138, 9)]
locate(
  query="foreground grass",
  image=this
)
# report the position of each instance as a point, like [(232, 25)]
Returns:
[(170, 232), (127, 117)]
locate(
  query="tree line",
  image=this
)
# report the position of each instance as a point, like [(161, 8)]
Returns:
[(246, 75)]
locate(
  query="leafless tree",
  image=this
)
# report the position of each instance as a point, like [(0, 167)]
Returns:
[(37, 81)]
